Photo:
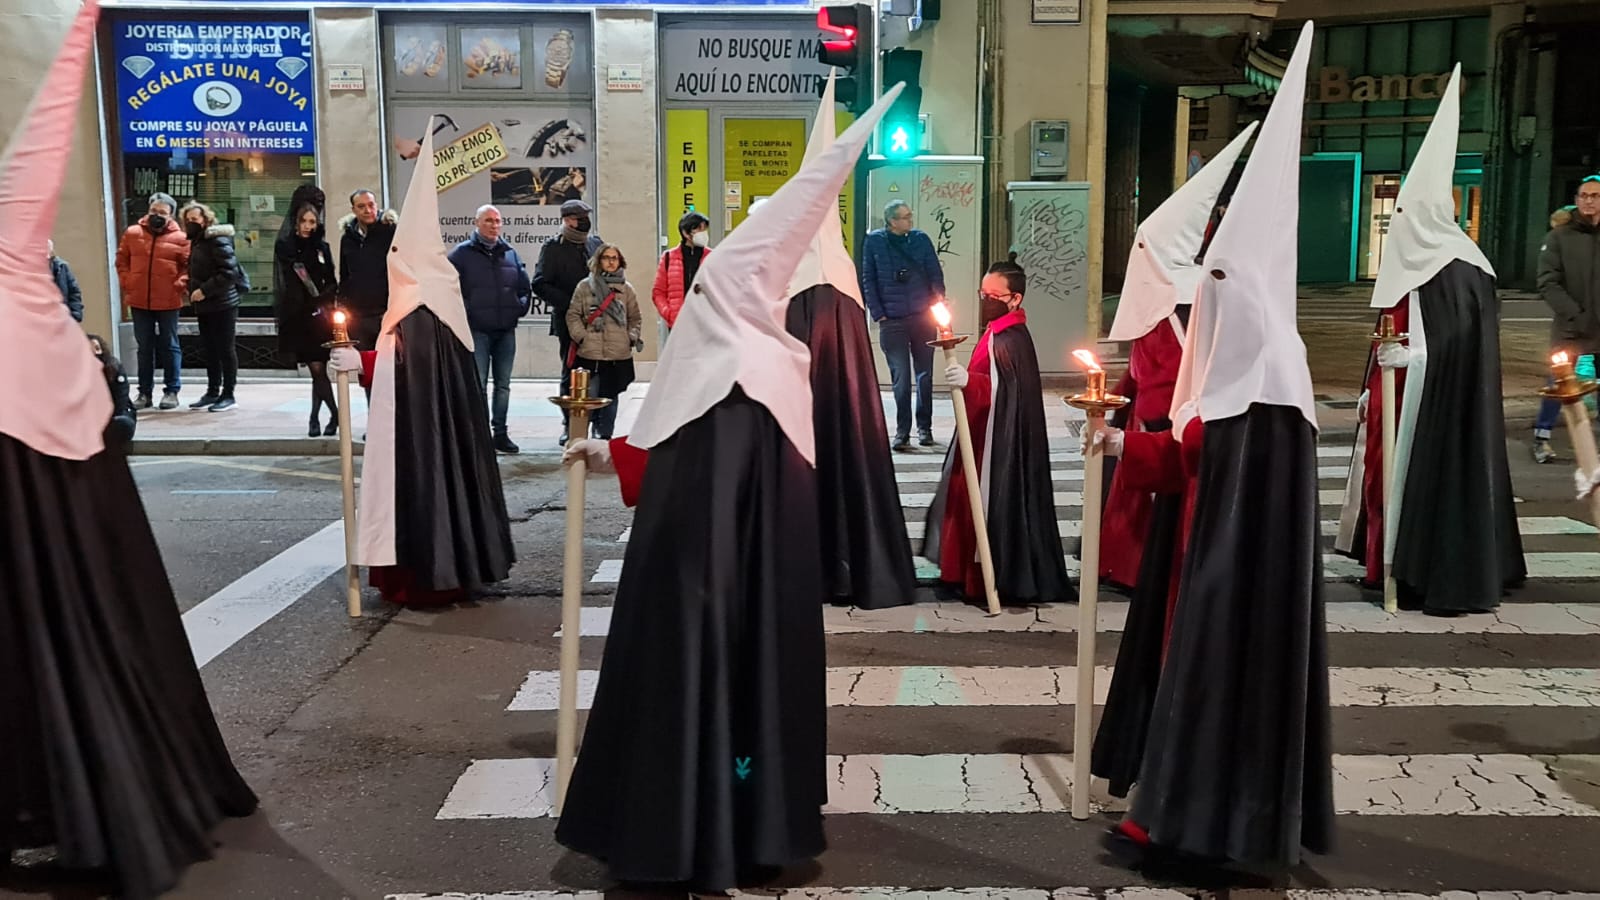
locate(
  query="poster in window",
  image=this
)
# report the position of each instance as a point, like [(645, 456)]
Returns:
[(561, 61), (491, 58), (527, 160), (421, 58)]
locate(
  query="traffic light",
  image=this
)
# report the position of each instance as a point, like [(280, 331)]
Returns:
[(851, 52), (901, 137)]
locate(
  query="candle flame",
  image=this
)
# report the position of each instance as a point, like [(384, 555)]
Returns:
[(1560, 359), (339, 317), (1086, 359), (941, 314)]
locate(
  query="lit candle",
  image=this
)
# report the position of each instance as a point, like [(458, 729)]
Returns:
[(341, 331), (1096, 376), (1561, 364), (941, 316)]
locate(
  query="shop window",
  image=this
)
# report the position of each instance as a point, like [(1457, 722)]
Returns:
[(219, 109), (511, 107)]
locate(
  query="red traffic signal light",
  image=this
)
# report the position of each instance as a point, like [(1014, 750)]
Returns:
[(844, 21), (851, 53)]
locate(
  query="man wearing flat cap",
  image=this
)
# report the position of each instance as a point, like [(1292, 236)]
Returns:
[(563, 263)]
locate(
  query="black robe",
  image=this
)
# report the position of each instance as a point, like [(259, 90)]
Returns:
[(1238, 761), (1119, 738), (452, 532), (1024, 537), (704, 754), (108, 748), (866, 556), (1458, 547)]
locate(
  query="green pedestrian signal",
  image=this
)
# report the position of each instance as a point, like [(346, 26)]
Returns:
[(899, 144)]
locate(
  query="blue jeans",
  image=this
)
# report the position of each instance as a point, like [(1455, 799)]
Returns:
[(496, 349), (905, 347), (156, 331)]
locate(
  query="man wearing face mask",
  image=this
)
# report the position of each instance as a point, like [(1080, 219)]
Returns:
[(1005, 409), (153, 271), (900, 279), (563, 264), (679, 265)]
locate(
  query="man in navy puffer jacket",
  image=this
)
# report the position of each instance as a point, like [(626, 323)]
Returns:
[(900, 278), (495, 289)]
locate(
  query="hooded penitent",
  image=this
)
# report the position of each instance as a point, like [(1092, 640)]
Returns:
[(738, 334), (1162, 276), (1459, 547), (110, 754), (431, 498), (1237, 764), (866, 558), (1162, 272), (705, 754)]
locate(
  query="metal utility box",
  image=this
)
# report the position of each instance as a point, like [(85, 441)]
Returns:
[(1047, 148)]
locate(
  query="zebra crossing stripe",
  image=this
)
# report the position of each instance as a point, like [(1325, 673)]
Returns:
[(1075, 475), (994, 686), (1542, 566), (1342, 618), (1073, 499), (1529, 526), (1440, 784), (1031, 894)]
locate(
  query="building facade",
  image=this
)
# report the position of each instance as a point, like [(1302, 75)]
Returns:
[(647, 110)]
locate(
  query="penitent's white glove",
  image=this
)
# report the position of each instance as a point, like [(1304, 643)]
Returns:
[(345, 359), (595, 454), (1361, 406), (955, 375), (1109, 439), (1393, 356), (1585, 484)]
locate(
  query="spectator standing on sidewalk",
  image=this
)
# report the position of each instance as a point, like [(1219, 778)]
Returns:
[(900, 278), (153, 271), (563, 263), (364, 238), (1569, 281), (71, 295), (679, 265), (307, 288), (216, 284), (604, 322), (495, 289)]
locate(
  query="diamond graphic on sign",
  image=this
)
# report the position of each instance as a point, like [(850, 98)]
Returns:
[(291, 66), (217, 98), (139, 65)]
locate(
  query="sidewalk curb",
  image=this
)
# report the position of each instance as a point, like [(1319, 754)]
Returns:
[(300, 446)]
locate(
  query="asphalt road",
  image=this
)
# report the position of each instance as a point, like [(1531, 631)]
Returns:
[(400, 754)]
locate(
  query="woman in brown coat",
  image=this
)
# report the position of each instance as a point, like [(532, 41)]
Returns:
[(604, 323)]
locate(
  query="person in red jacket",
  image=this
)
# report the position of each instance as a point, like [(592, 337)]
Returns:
[(153, 271), (679, 265)]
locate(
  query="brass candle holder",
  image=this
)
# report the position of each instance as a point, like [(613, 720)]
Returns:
[(1569, 388), (1386, 333), (579, 401), (1094, 399)]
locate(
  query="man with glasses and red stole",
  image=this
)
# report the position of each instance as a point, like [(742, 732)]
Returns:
[(1005, 409)]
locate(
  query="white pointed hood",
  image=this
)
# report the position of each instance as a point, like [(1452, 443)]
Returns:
[(733, 331), (1424, 236), (826, 260), (1243, 346), (58, 403), (420, 274), (1162, 273)]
